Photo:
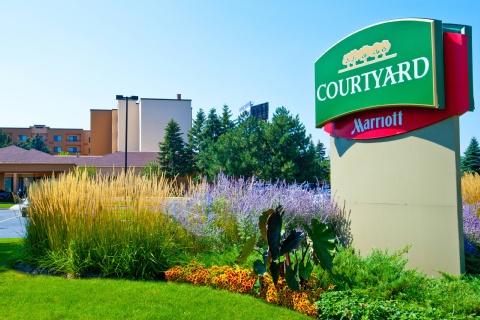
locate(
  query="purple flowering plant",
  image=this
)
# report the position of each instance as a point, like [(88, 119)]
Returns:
[(471, 227), (228, 209)]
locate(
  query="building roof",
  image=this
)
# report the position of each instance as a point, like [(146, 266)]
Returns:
[(17, 155), (116, 159)]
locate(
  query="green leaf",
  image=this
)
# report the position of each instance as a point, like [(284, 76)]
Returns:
[(259, 268), (275, 271), (323, 243), (305, 270), (274, 231), (291, 242), (262, 222), (291, 276), (257, 285), (247, 249)]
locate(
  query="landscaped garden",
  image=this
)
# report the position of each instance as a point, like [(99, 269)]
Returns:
[(254, 244)]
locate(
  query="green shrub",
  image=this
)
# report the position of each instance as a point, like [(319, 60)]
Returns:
[(381, 273), (357, 304)]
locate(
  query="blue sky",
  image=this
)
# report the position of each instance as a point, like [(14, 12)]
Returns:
[(62, 58)]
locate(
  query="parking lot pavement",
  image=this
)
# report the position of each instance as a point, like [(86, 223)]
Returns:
[(12, 224)]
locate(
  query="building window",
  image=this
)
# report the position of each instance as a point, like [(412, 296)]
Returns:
[(57, 149), (57, 138), (72, 149), (88, 150), (88, 139), (22, 137), (72, 138)]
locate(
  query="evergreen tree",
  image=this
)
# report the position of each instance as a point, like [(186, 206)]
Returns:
[(171, 157), (320, 151), (36, 143), (323, 163), (5, 140), (39, 144), (213, 127), (195, 133), (471, 159), (211, 130), (242, 150), (194, 141), (23, 144), (292, 155), (206, 161), (226, 123)]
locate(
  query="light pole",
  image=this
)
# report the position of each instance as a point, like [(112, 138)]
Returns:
[(134, 98)]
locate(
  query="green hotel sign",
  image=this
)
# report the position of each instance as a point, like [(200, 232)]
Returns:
[(393, 63)]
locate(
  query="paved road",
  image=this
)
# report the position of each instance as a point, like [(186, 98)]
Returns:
[(12, 225)]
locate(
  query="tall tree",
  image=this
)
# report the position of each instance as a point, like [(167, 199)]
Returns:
[(292, 155), (322, 163), (211, 130), (213, 127), (195, 133), (23, 144), (39, 144), (320, 151), (194, 141), (5, 140), (171, 157), (226, 123), (36, 143), (242, 150), (471, 158)]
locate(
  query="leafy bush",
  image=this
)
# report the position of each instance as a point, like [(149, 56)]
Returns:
[(291, 255), (381, 273), (357, 304)]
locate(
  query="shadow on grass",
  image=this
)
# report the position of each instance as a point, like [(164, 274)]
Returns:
[(10, 251)]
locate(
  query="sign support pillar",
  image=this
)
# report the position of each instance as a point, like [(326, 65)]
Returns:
[(404, 190)]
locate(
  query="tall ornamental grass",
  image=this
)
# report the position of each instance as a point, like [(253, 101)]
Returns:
[(471, 188), (115, 226)]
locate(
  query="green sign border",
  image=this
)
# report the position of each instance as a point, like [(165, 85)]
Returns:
[(413, 31)]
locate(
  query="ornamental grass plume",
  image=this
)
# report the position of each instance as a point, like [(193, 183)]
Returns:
[(471, 188), (113, 226)]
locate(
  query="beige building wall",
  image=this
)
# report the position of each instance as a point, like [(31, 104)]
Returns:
[(133, 125), (404, 190), (154, 117)]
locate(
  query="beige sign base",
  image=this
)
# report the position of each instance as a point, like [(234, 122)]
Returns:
[(404, 190)]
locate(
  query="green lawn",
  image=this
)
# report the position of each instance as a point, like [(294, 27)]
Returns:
[(25, 296), (6, 205)]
